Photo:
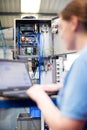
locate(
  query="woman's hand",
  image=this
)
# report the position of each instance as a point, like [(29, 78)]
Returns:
[(51, 87), (36, 93)]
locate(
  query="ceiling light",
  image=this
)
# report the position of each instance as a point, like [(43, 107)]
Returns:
[(30, 6)]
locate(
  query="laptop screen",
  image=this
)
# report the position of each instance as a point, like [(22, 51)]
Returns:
[(13, 74)]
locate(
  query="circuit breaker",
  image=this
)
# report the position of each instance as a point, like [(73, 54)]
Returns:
[(59, 69)]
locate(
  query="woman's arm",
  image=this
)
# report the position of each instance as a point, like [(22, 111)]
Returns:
[(52, 115), (54, 118)]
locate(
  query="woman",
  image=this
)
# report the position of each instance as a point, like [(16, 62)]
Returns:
[(72, 111)]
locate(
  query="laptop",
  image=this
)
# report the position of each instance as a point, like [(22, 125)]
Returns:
[(14, 79)]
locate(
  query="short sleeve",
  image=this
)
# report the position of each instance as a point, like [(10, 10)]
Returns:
[(74, 100)]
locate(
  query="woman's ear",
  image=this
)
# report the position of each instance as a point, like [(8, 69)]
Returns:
[(74, 23)]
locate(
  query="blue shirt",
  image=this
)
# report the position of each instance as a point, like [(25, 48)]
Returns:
[(72, 98)]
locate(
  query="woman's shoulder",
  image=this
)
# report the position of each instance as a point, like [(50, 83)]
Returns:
[(82, 55)]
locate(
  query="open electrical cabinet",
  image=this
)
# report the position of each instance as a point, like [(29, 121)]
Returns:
[(33, 42)]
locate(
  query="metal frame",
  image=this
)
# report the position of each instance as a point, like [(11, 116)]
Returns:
[(19, 103)]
